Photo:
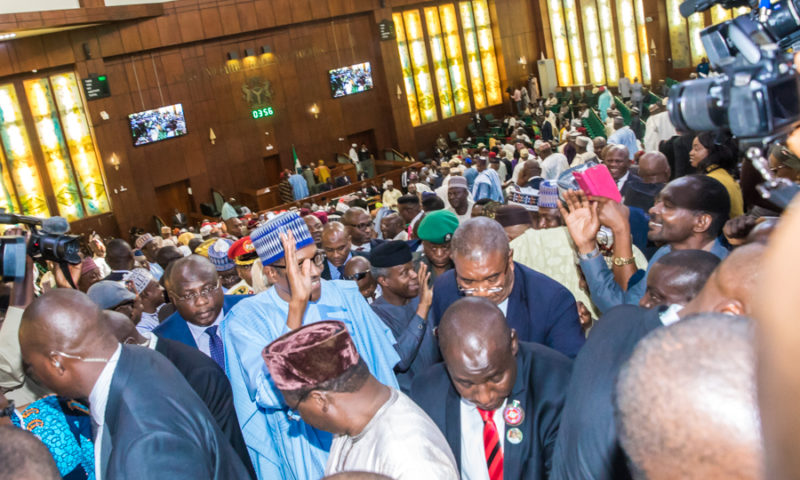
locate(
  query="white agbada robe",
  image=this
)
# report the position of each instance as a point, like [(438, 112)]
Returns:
[(657, 129), (400, 441)]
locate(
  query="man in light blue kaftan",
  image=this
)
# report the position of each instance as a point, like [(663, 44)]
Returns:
[(280, 443)]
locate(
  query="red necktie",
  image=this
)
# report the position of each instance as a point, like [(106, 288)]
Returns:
[(491, 445)]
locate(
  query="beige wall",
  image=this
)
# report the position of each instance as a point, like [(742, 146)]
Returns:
[(17, 6)]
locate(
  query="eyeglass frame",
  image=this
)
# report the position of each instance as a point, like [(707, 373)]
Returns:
[(193, 296), (356, 276), (318, 259), (468, 292)]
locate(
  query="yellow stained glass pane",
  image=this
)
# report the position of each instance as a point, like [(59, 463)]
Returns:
[(483, 25), (439, 62), (80, 144), (644, 48), (455, 60), (8, 201), (678, 39), (419, 62), (719, 14), (741, 11), (609, 43), (628, 38), (559, 33), (697, 23), (575, 50), (473, 59), (594, 49), (408, 71), (51, 141), (19, 155)]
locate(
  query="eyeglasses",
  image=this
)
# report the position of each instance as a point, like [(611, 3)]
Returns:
[(356, 276), (360, 226), (318, 259), (498, 278), (193, 296)]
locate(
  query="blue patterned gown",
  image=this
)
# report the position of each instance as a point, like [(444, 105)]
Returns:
[(65, 427)]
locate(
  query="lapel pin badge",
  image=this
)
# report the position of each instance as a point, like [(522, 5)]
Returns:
[(513, 414), (514, 435)]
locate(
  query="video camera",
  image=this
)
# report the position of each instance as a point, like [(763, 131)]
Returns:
[(757, 94), (48, 241)]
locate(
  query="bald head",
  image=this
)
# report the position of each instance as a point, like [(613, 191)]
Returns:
[(191, 266), (654, 168), (731, 288), (62, 319), (119, 255), (334, 230), (478, 236), (619, 122), (123, 329), (25, 456), (356, 265), (391, 226), (478, 347), (686, 401), (64, 342)]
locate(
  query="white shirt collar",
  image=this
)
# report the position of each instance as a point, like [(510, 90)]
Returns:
[(98, 398), (622, 180), (152, 340), (198, 331)]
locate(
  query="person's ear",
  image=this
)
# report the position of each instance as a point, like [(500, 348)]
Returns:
[(702, 222), (320, 400), (58, 365), (514, 342), (381, 281)]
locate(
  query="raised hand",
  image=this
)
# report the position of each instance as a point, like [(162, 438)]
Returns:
[(299, 281), (425, 292), (580, 216), (613, 215)]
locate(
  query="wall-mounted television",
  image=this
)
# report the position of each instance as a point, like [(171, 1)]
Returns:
[(349, 80), (158, 124)]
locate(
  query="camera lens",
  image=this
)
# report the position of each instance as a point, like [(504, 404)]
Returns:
[(696, 105)]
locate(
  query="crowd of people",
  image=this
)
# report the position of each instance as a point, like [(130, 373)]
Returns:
[(485, 318)]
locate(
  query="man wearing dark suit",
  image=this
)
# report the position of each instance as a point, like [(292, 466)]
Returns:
[(201, 373), (119, 257), (337, 247), (538, 308), (493, 389), (588, 441), (194, 288), (148, 422)]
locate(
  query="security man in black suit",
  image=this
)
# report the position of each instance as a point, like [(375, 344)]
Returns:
[(149, 423), (201, 373), (492, 387)]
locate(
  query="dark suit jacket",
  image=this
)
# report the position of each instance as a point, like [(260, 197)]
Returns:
[(156, 427), (212, 386), (540, 309), (175, 328), (542, 376), (587, 445)]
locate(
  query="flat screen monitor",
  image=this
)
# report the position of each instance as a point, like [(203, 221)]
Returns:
[(159, 124), (349, 80)]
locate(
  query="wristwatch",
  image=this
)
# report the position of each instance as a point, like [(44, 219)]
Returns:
[(619, 261), (8, 411)]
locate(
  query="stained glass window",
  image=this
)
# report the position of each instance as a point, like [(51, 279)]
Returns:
[(439, 62), (419, 61), (697, 23), (644, 48), (594, 48), (451, 72), (483, 26), (473, 55), (559, 33), (80, 143), (51, 141), (19, 155), (628, 39), (70, 173), (408, 71), (719, 14), (574, 35), (455, 61), (678, 38), (609, 43)]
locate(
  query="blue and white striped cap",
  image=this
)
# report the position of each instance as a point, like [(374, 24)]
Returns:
[(548, 194), (267, 238), (218, 254)]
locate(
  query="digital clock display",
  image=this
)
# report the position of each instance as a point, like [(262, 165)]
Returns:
[(262, 112)]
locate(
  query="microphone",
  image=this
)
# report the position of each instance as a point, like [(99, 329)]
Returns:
[(55, 225)]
